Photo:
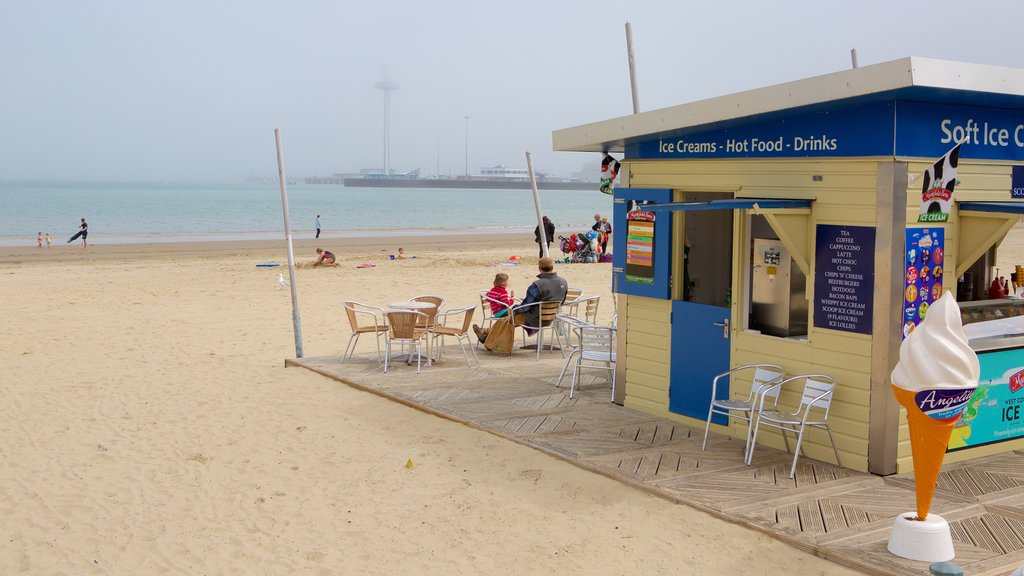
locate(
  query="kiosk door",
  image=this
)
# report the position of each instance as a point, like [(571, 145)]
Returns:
[(700, 326)]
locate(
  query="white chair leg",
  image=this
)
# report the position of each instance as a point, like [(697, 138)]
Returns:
[(707, 428), (378, 334), (350, 347), (796, 453), (613, 383), (753, 441), (419, 354), (387, 354), (464, 355), (575, 375), (540, 342), (473, 350), (834, 449), (566, 367)]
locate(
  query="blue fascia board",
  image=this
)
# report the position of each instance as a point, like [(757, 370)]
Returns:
[(733, 204), (999, 207)]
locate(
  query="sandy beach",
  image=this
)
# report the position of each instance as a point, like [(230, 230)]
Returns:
[(148, 426)]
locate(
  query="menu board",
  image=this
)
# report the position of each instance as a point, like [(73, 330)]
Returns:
[(995, 412), (844, 272), (923, 270), (640, 247)]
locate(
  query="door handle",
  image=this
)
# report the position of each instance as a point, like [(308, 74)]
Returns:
[(725, 327)]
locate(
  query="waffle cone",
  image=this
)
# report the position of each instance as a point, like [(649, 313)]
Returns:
[(929, 439)]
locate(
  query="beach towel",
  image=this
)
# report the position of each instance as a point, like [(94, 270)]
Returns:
[(501, 337), (609, 170)]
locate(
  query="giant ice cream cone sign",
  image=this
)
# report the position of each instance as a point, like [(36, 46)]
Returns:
[(935, 378)]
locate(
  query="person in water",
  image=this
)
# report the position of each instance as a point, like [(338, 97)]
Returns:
[(325, 257)]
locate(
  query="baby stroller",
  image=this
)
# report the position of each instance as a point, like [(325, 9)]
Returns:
[(580, 247)]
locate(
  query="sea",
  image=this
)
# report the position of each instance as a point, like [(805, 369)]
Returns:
[(139, 213)]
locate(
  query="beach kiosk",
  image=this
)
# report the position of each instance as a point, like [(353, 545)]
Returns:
[(786, 225)]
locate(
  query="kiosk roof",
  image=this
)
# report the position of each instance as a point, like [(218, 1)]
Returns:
[(913, 78)]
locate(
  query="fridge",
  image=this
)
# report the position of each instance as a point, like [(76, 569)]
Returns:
[(778, 302)]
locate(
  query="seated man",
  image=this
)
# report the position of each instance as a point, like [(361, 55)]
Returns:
[(325, 257), (548, 287)]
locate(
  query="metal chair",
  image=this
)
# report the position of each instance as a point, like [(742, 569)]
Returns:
[(569, 322), (488, 316), (765, 375), (437, 301), (373, 322), (547, 312), (816, 396), (597, 348), (441, 329), (404, 328)]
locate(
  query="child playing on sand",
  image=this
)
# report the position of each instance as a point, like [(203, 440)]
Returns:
[(325, 257), (401, 254), (499, 294)]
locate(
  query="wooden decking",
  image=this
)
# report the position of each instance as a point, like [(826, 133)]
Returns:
[(832, 512)]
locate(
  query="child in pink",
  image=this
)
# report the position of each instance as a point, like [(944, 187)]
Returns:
[(500, 293)]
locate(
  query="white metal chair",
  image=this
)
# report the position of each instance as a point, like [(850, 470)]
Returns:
[(816, 397), (569, 322), (441, 329), (437, 301), (597, 349), (764, 376), (405, 327), (363, 319), (488, 316), (547, 313)]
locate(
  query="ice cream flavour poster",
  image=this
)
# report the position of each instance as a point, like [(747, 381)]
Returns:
[(924, 266)]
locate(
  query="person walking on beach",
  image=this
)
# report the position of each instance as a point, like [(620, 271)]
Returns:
[(48, 240), (549, 233), (39, 239), (317, 224)]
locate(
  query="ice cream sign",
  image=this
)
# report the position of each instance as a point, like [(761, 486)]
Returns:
[(934, 380)]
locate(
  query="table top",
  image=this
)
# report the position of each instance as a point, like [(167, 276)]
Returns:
[(410, 305)]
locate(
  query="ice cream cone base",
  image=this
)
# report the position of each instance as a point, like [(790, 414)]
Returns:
[(925, 541), (929, 439)]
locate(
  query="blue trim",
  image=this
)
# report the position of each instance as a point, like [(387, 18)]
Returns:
[(732, 204), (1000, 207), (662, 242)]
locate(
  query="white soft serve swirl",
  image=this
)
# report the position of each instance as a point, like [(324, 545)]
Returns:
[(936, 354)]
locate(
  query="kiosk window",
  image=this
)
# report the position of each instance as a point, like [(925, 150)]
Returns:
[(777, 289)]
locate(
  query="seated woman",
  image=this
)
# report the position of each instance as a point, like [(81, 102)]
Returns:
[(325, 257), (499, 294)]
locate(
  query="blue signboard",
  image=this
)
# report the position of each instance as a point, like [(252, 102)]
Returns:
[(881, 128), (844, 277), (925, 129), (632, 273), (1017, 182), (863, 130), (995, 413)]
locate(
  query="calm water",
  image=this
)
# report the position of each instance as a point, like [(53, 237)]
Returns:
[(137, 213)]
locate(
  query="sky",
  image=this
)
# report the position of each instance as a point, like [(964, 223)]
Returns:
[(192, 90)]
